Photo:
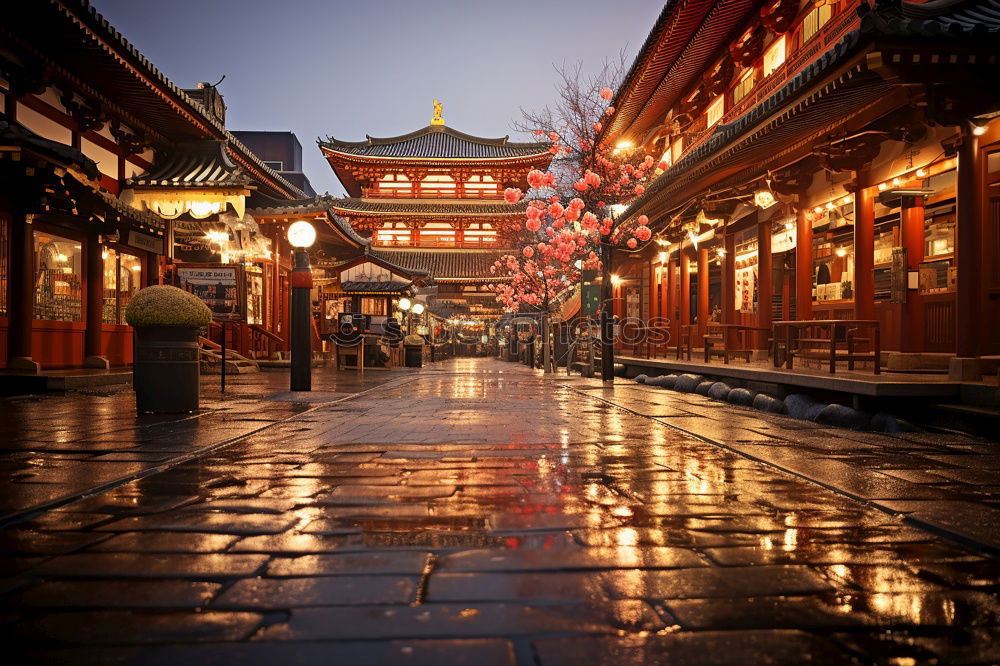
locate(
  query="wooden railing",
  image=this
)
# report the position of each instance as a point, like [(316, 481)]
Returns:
[(432, 193), (476, 243)]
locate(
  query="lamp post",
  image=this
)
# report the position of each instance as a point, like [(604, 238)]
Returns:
[(301, 236), (417, 309)]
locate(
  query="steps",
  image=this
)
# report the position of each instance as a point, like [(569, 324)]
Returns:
[(211, 362)]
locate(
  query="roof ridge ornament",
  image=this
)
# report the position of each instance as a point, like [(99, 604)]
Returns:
[(437, 119)]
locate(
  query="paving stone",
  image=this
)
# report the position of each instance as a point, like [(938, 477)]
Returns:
[(123, 627), (411, 563), (152, 565), (279, 593), (765, 613), (566, 560), (118, 594), (464, 621), (706, 648), (217, 523), (165, 542), (472, 652)]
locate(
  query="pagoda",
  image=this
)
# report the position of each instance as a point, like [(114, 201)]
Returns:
[(432, 201)]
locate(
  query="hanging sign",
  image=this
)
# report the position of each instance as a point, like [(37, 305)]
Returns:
[(145, 242), (219, 287), (897, 276)]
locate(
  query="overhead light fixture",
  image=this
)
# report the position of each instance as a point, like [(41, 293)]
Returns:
[(789, 226), (301, 234), (663, 257), (921, 173), (764, 199), (615, 280), (897, 181), (882, 187), (418, 308), (721, 252), (977, 129), (841, 252), (404, 304)]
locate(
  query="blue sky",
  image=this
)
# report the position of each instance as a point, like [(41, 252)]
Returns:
[(354, 68)]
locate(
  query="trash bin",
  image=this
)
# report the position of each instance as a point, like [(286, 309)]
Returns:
[(166, 369), (414, 356)]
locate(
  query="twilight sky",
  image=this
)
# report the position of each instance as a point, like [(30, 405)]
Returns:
[(319, 67)]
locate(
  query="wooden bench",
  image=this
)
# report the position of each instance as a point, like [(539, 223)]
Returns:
[(829, 340), (730, 340), (685, 342)]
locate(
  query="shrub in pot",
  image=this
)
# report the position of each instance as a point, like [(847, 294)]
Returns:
[(166, 371)]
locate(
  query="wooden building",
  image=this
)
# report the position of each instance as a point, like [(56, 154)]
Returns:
[(431, 202), (113, 178), (825, 160)]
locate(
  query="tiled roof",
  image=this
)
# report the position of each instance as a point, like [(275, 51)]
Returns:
[(436, 208), (261, 205), (19, 135), (356, 286), (436, 142), (960, 15), (443, 263), (194, 164)]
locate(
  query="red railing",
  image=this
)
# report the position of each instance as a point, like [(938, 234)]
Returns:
[(424, 192), (469, 244)]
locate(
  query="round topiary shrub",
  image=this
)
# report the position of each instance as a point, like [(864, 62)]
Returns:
[(163, 305)]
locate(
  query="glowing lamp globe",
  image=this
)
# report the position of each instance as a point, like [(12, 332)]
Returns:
[(404, 304), (418, 308), (301, 234)]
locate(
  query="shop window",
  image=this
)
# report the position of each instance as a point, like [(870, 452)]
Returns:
[(814, 21), (4, 263), (122, 278), (255, 295), (774, 56), (745, 85), (937, 271), (58, 278), (715, 110), (833, 270), (373, 305)]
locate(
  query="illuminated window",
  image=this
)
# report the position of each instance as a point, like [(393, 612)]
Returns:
[(482, 186), (774, 56), (676, 148), (667, 158), (714, 112), (58, 278), (815, 20), (4, 261), (438, 183), (392, 183), (122, 278), (745, 85)]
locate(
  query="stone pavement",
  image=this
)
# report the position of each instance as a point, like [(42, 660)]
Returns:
[(477, 513)]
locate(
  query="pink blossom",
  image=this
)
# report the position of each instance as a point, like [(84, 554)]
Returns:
[(608, 111), (539, 132), (662, 166), (607, 94), (648, 161), (589, 221), (536, 178), (631, 243), (580, 185), (568, 149), (554, 150), (640, 174), (553, 136), (642, 220), (572, 214), (555, 210), (533, 224), (549, 231), (577, 203), (597, 127), (592, 178), (550, 179), (600, 204), (643, 233), (559, 224), (512, 195), (639, 189), (541, 247), (528, 252)]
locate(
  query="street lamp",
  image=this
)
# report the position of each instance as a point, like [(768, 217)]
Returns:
[(301, 236)]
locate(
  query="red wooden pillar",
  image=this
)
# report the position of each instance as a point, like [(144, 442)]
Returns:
[(94, 310), (912, 232), (654, 285), (702, 292), (803, 266), (685, 286), (864, 248), (729, 279), (671, 298), (765, 282), (22, 295), (968, 238)]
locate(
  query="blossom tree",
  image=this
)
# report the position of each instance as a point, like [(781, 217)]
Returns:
[(568, 218)]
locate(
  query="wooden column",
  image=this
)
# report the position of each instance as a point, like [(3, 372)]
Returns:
[(765, 281), (911, 224), (729, 279), (22, 296), (654, 304), (803, 266), (94, 308), (671, 299), (702, 292), (968, 237), (685, 286), (864, 247)]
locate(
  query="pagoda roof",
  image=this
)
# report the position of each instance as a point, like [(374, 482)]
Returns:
[(435, 142), (423, 207), (194, 164), (371, 287), (444, 264)]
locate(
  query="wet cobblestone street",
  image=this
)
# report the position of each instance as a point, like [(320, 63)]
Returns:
[(477, 513)]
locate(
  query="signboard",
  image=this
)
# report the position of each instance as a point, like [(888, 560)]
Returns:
[(145, 242), (897, 276), (219, 287), (590, 293)]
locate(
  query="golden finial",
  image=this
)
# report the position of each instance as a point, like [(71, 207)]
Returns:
[(437, 119)]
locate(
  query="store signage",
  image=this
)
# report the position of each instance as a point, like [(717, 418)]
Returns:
[(145, 242), (220, 288), (897, 276)]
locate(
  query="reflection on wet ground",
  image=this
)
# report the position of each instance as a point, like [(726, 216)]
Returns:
[(482, 514)]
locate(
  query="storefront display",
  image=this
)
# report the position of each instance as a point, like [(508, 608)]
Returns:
[(58, 278)]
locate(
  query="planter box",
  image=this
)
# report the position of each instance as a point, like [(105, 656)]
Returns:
[(166, 371)]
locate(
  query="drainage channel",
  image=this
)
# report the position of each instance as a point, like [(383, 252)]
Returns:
[(29, 514), (936, 530)]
